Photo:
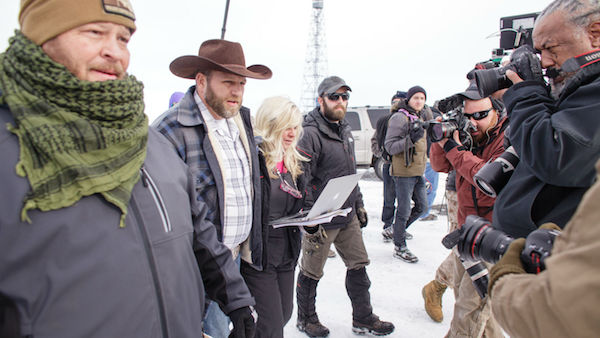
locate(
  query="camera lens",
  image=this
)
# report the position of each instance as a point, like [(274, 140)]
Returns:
[(481, 241), (493, 176), (437, 131)]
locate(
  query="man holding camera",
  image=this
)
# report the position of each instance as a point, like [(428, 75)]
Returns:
[(558, 142), (472, 317), (405, 141), (555, 133)]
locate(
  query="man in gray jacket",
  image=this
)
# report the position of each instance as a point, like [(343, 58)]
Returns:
[(101, 233)]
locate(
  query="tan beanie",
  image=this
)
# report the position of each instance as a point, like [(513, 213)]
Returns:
[(41, 20)]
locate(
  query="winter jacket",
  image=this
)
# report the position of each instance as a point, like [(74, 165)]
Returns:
[(330, 148), (408, 158), (290, 234), (561, 301), (558, 143), (467, 164), (184, 126), (73, 272)]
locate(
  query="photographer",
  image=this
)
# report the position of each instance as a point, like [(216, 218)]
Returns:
[(562, 300), (471, 313), (555, 134), (408, 146)]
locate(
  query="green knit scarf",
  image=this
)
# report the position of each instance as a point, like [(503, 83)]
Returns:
[(77, 138)]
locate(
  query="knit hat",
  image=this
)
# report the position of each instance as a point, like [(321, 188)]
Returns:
[(398, 95), (413, 90), (42, 20)]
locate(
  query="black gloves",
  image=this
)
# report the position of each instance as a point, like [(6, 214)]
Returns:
[(361, 213), (244, 325), (416, 133)]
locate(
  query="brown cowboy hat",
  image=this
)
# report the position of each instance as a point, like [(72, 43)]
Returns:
[(220, 55)]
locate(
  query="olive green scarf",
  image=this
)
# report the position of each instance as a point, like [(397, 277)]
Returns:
[(77, 138)]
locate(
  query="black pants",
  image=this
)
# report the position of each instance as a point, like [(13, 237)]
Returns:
[(273, 290)]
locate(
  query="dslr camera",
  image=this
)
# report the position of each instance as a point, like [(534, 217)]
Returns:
[(476, 240), (523, 61), (453, 118)]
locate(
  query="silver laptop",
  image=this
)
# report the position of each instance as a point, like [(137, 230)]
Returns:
[(334, 195)]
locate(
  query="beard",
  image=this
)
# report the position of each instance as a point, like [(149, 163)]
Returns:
[(219, 106), (556, 88), (337, 113)]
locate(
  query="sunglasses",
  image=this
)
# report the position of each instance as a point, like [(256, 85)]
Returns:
[(478, 115), (336, 96), (286, 187)]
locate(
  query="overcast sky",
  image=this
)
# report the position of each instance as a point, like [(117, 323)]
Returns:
[(377, 46)]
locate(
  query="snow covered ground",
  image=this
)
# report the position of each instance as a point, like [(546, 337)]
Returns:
[(395, 285)]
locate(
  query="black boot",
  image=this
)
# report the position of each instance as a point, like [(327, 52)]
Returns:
[(308, 321), (363, 319)]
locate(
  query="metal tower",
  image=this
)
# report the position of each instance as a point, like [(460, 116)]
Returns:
[(315, 65)]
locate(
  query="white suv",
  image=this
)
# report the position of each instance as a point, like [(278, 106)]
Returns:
[(363, 121)]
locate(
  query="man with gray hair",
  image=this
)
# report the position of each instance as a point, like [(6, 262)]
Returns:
[(555, 133), (558, 139)]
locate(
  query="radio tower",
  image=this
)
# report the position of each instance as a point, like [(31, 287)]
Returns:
[(315, 65)]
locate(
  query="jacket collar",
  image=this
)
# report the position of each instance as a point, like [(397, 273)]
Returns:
[(317, 119), (188, 113)]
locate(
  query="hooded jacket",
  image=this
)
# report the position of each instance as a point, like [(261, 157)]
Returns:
[(73, 272), (561, 301), (467, 164), (185, 128), (558, 143), (330, 149)]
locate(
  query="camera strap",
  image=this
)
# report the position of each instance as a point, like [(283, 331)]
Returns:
[(578, 62)]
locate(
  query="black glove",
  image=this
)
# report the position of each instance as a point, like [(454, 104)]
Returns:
[(361, 213), (244, 325), (416, 133)]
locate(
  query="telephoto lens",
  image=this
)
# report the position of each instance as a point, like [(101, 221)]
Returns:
[(494, 175)]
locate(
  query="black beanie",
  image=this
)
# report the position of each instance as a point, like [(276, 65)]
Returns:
[(399, 95), (413, 90)]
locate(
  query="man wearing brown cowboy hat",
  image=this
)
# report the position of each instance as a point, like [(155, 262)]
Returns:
[(213, 134), (101, 233)]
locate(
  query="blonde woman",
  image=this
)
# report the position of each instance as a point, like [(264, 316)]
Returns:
[(279, 123)]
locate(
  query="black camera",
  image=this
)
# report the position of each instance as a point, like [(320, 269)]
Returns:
[(523, 61), (477, 240), (494, 175), (451, 121)]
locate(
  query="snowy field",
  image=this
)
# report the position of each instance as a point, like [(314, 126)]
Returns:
[(395, 285)]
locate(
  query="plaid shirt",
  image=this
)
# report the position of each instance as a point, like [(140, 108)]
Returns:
[(184, 126), (236, 174)]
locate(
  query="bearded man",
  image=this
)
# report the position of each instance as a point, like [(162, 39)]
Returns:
[(556, 132), (328, 143), (212, 133)]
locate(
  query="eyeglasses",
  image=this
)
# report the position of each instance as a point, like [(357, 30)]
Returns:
[(478, 115), (336, 96), (286, 187)]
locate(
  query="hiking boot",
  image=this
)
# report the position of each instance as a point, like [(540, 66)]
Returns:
[(312, 327), (404, 254), (430, 217), (432, 294), (388, 234), (408, 235), (373, 326), (331, 254)]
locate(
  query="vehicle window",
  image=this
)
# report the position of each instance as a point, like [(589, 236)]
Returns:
[(376, 113), (353, 120)]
